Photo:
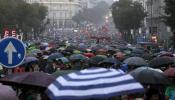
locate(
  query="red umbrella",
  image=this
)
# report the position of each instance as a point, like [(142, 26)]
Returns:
[(170, 72), (89, 55)]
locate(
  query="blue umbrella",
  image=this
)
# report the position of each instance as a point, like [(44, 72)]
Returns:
[(93, 83)]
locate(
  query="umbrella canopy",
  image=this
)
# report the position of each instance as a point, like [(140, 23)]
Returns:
[(71, 48), (82, 47), (35, 51), (170, 72), (93, 83), (30, 59), (62, 72), (97, 47), (7, 93), (97, 59), (77, 52), (163, 53), (64, 60), (89, 55), (77, 57), (35, 79), (135, 61), (55, 56), (138, 51), (161, 62), (148, 75), (111, 61)]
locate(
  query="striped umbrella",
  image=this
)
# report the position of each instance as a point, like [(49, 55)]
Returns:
[(93, 83)]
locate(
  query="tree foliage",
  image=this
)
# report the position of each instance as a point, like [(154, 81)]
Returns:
[(170, 11), (127, 15), (94, 15), (25, 16)]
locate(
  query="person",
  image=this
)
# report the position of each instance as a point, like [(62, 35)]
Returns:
[(50, 68), (170, 90), (119, 56), (152, 94), (173, 41), (170, 93)]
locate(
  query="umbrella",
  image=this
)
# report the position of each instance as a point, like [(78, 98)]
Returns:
[(138, 51), (170, 72), (93, 83), (135, 61), (63, 59), (161, 62), (148, 75), (97, 47), (89, 55), (62, 72), (55, 56), (97, 59), (77, 52), (30, 59), (111, 61), (71, 48), (82, 47), (35, 51), (163, 53), (28, 79), (7, 93), (77, 57), (61, 48)]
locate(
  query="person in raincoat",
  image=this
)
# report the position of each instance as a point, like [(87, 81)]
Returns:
[(50, 68)]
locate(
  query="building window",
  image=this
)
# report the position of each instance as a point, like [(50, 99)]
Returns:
[(61, 7), (60, 14)]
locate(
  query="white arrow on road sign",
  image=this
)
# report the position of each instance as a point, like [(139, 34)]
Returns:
[(10, 49)]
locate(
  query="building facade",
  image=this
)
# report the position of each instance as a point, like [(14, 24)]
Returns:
[(154, 20), (60, 12)]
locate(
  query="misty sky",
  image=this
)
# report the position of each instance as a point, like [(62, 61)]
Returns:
[(108, 1)]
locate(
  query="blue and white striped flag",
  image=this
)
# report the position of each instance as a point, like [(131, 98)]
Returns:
[(93, 83)]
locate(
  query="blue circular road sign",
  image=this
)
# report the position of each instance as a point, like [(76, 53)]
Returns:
[(12, 52)]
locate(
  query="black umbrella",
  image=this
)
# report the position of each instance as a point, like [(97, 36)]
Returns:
[(62, 72), (97, 59), (30, 80), (135, 61), (71, 48), (161, 62), (77, 57), (148, 75), (138, 52), (110, 61), (55, 56)]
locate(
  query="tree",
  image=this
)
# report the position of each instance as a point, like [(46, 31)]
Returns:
[(127, 15), (78, 18), (170, 18), (94, 15), (26, 16), (170, 13)]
